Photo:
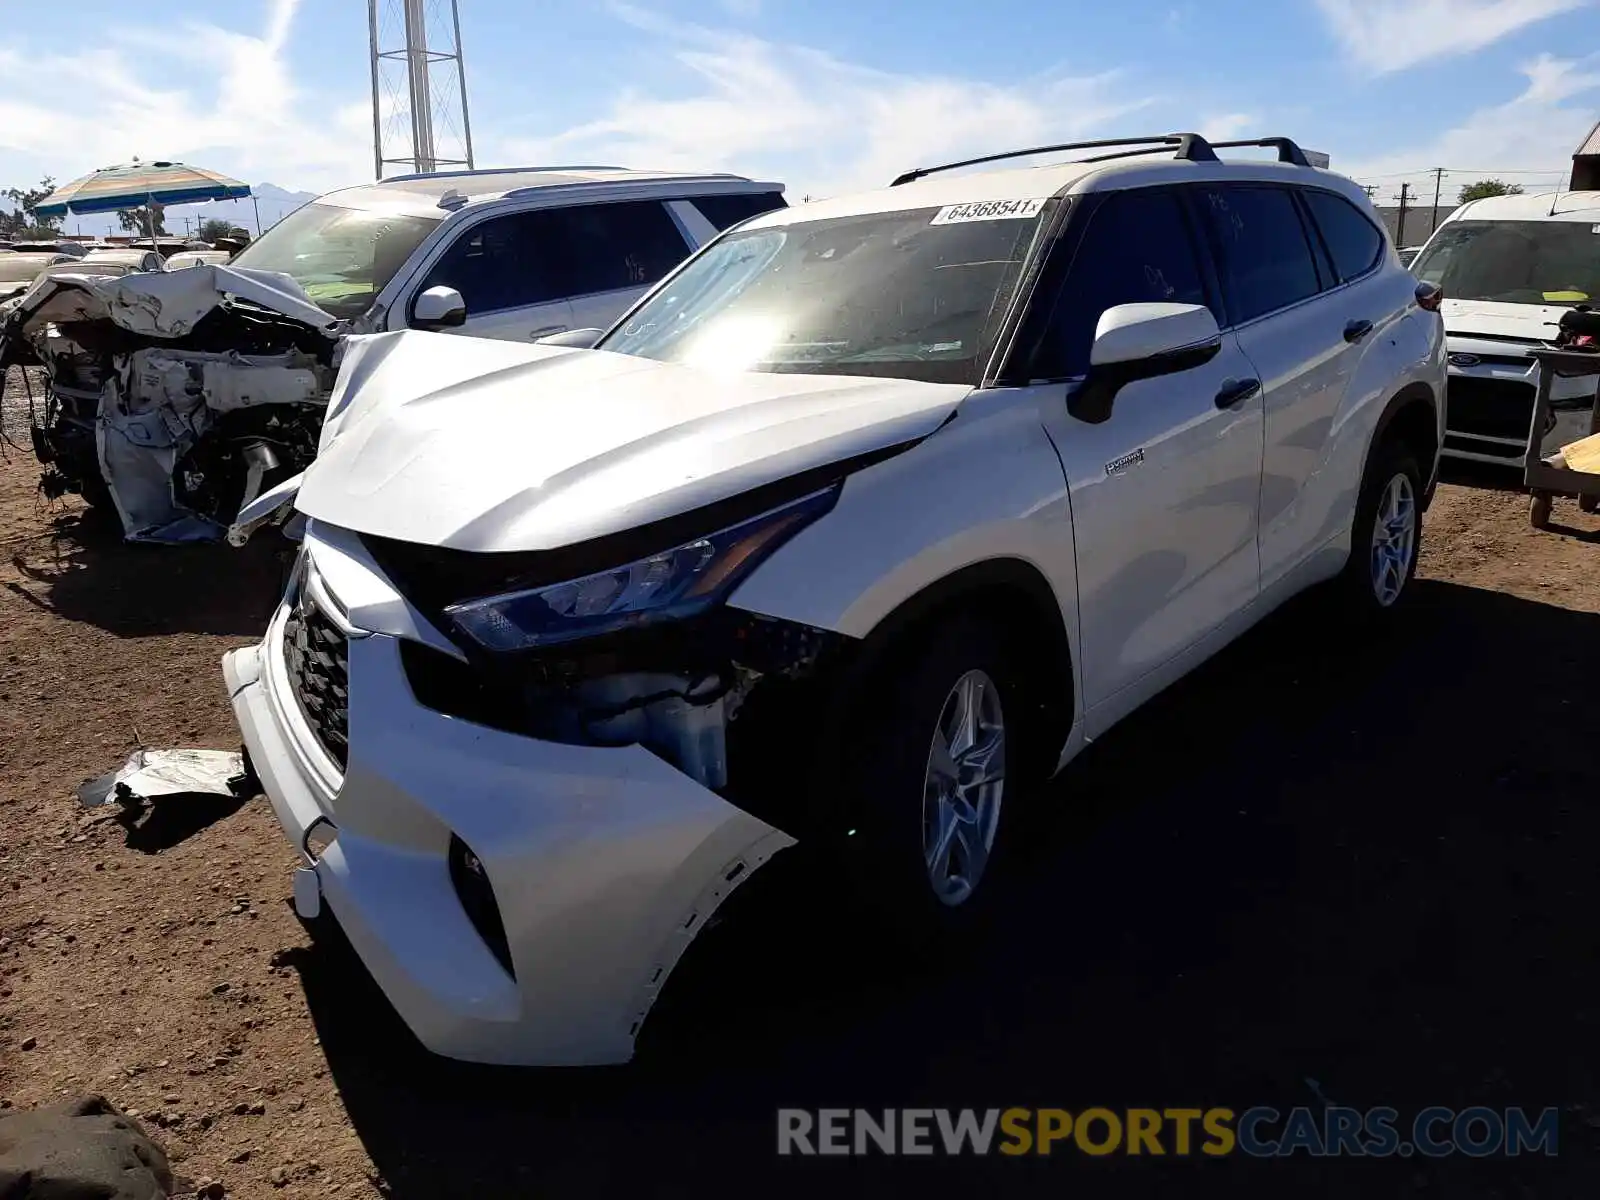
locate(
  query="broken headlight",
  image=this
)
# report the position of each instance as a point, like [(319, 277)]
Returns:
[(670, 585)]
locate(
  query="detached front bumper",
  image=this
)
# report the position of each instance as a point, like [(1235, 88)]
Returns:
[(604, 863)]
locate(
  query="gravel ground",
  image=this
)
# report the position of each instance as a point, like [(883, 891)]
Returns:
[(1368, 865)]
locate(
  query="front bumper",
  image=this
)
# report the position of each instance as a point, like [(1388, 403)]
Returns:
[(605, 862)]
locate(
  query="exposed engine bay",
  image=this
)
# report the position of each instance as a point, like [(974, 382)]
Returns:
[(173, 397)]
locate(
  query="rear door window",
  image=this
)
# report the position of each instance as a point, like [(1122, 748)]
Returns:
[(1136, 248), (610, 247), (1352, 240), (1263, 253)]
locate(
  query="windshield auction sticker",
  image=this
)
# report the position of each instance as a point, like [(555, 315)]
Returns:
[(987, 210)]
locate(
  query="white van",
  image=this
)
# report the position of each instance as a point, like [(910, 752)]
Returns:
[(1509, 267)]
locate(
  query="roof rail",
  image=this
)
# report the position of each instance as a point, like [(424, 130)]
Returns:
[(1288, 151), (499, 171), (1189, 146)]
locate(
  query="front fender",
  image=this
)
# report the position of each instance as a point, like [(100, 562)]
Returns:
[(988, 485)]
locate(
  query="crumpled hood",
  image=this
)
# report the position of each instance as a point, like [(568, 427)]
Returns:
[(158, 304), (488, 445), (1535, 322)]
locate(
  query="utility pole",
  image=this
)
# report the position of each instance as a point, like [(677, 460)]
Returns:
[(1438, 183), (1400, 222), (412, 94), (1369, 188)]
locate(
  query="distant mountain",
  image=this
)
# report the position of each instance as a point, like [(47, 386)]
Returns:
[(274, 203)]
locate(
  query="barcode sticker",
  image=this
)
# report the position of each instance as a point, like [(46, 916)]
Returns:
[(987, 210)]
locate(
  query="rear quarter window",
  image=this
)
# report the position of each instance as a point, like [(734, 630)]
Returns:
[(726, 211), (1353, 241)]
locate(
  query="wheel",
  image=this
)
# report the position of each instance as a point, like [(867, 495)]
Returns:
[(1387, 535), (1539, 505), (928, 791), (1588, 503)]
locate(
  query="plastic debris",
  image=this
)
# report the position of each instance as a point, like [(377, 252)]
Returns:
[(151, 773)]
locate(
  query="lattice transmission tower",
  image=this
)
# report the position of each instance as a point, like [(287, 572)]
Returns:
[(419, 87)]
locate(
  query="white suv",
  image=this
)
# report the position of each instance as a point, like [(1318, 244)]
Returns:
[(514, 254), (859, 525)]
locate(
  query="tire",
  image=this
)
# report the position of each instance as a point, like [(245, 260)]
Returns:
[(1377, 579), (1540, 505), (898, 803)]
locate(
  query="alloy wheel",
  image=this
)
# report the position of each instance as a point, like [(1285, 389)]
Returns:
[(963, 787), (1394, 540)]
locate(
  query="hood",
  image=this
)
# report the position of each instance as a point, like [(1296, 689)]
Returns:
[(1529, 322), (159, 304), (485, 445)]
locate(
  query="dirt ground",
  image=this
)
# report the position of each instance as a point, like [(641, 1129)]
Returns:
[(1364, 871)]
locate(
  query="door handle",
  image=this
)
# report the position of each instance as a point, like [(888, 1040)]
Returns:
[(547, 331), (1356, 330), (1235, 391)]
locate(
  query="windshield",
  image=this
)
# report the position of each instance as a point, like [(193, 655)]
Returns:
[(83, 267), (342, 257), (913, 295), (1517, 262)]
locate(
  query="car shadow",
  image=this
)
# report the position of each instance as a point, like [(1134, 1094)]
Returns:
[(1332, 864), (1482, 476), (84, 571)]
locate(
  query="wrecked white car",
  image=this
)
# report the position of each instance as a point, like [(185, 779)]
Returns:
[(174, 397)]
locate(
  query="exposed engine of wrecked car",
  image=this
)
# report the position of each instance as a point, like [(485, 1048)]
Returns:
[(173, 398)]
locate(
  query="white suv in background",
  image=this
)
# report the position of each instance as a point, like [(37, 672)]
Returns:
[(515, 254), (858, 526)]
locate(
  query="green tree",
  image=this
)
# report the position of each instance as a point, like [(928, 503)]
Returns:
[(211, 230), (1489, 187), (23, 220), (137, 222)]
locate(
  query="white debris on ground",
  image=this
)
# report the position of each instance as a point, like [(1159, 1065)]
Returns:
[(151, 773)]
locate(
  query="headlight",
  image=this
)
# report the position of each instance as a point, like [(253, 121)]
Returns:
[(673, 584)]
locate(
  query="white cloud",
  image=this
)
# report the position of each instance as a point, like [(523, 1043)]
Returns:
[(1225, 127), (818, 122), (1389, 35), (1537, 130), (203, 93)]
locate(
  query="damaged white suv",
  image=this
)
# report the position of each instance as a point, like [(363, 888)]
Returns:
[(863, 521)]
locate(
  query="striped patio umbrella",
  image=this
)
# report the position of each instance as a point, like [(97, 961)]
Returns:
[(140, 183)]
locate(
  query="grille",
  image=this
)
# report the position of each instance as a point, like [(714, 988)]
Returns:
[(316, 659), (1489, 407)]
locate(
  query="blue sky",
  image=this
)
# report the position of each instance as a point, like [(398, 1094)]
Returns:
[(822, 94)]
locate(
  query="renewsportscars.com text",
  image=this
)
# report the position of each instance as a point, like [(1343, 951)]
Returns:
[(1259, 1132)]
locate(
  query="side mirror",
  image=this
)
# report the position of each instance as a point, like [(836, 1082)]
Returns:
[(439, 308), (578, 339), (1142, 341)]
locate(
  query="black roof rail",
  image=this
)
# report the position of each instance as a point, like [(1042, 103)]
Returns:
[(1288, 151), (1190, 146)]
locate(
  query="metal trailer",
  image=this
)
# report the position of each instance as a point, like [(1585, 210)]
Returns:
[(1544, 480)]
